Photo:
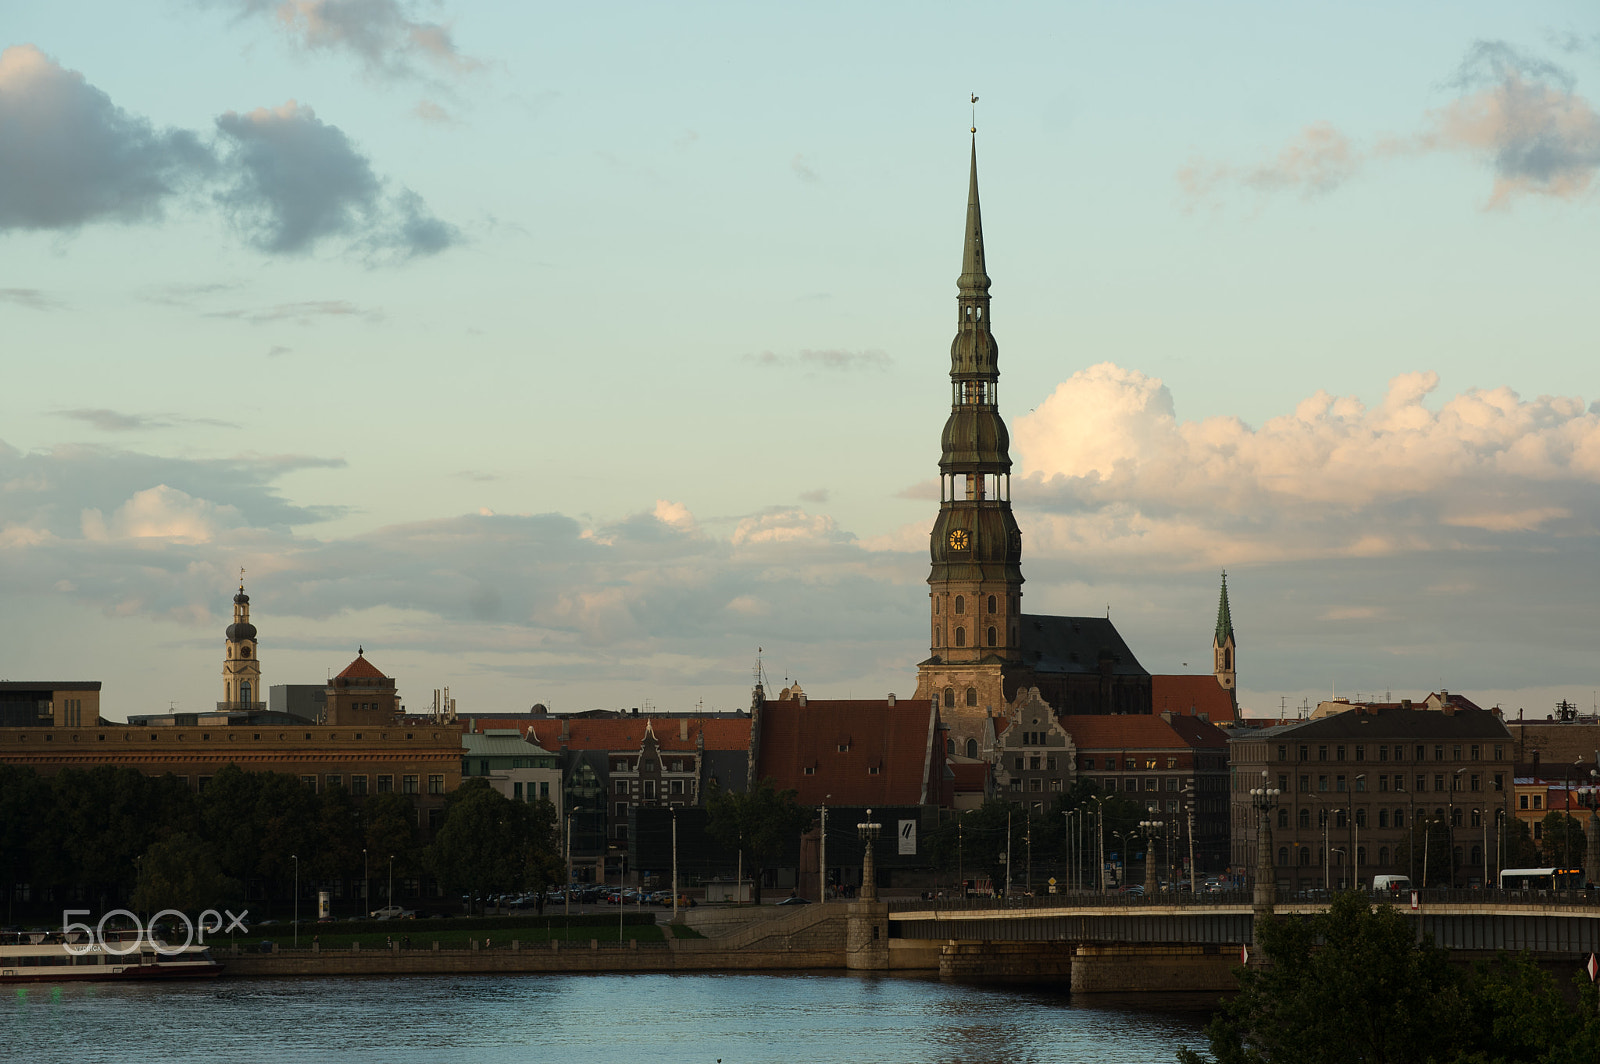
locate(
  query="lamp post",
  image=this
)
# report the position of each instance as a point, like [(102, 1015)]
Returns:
[(1194, 872), (1067, 841), (869, 830), (296, 859), (1151, 828), (1100, 838), (674, 864), (391, 881), (822, 852), (1355, 831), (1450, 848), (1264, 800), (365, 903)]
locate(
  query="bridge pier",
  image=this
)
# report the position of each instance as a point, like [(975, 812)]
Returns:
[(867, 936), (1006, 962), (1141, 969)]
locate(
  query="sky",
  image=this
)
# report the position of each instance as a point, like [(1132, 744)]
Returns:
[(569, 354)]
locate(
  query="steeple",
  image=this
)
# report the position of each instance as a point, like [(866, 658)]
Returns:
[(975, 581), (1222, 644), (241, 666)]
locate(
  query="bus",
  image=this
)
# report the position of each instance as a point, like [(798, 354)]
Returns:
[(1541, 879)]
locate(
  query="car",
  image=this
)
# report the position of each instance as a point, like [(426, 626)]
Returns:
[(1133, 890), (795, 899), (393, 912)]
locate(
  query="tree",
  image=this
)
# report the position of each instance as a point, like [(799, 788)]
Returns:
[(1563, 842), (758, 823), (182, 873), (489, 842), (1348, 984)]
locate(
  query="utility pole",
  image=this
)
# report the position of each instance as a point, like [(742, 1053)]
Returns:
[(674, 864), (1008, 855), (1027, 885), (1194, 873), (822, 853), (566, 890)]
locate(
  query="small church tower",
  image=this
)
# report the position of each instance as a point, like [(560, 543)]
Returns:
[(241, 668), (1222, 648)]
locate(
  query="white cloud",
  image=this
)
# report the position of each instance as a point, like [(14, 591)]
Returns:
[(381, 33)]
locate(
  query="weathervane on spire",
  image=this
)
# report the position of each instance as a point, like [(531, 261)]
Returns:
[(974, 114), (241, 578)]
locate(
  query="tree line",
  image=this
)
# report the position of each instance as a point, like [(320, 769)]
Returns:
[(108, 837)]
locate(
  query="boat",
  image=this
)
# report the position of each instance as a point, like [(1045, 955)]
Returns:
[(50, 957)]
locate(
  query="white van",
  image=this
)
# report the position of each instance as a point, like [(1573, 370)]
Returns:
[(1391, 884)]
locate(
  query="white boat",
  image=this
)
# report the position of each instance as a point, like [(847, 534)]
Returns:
[(50, 957)]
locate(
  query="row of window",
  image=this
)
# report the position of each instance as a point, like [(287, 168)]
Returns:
[(811, 770), (516, 791), (1381, 752), (1441, 781), (1034, 763), (961, 604), (1131, 783), (1386, 818), (677, 764), (961, 638), (1305, 856), (1036, 784), (632, 786), (1131, 764)]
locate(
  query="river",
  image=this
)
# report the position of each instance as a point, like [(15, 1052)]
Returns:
[(578, 1019)]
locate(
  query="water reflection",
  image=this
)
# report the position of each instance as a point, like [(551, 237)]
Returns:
[(581, 1018)]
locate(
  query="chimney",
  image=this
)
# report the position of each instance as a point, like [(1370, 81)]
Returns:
[(1166, 715), (683, 729), (1405, 703), (802, 701), (891, 699)]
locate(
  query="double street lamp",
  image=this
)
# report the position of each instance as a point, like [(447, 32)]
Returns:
[(1264, 800), (1151, 829)]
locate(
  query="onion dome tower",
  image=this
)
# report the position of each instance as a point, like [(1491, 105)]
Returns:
[(241, 668)]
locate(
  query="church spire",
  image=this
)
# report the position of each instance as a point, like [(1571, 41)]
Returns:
[(1222, 644), (974, 275), (1224, 615)]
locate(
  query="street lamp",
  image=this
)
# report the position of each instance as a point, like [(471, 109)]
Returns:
[(365, 903), (296, 859), (1151, 828), (1100, 837), (1264, 800), (391, 881), (1450, 849), (1355, 831), (1188, 801), (869, 830)]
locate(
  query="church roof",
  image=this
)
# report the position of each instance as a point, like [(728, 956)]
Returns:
[(1191, 696), (1075, 645), (361, 669), (886, 755)]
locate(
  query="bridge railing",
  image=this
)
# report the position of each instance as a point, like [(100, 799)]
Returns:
[(1208, 899)]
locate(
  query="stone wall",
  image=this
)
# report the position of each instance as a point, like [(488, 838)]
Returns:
[(1141, 969)]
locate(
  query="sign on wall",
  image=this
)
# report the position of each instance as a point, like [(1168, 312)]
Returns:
[(908, 838)]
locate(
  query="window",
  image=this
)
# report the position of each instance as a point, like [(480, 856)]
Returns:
[(1283, 753), (385, 784), (408, 785), (1383, 818), (1361, 753), (622, 809), (1455, 818), (1422, 753), (516, 791), (1016, 785), (1422, 783), (949, 747), (1149, 784), (1131, 784), (992, 640), (1033, 763), (1499, 753), (1338, 753), (1172, 783), (1055, 784), (1399, 818), (649, 788), (1360, 782), (1322, 783), (1305, 818), (1050, 764), (1283, 817), (811, 770), (309, 781), (1383, 855), (1383, 753), (1499, 781), (677, 786), (961, 635), (1476, 781), (1455, 753), (1322, 753), (1283, 855), (1438, 752), (1361, 818), (961, 604), (972, 748), (544, 789), (1477, 818), (972, 696), (1305, 784), (1305, 856), (1383, 781), (1538, 829), (1130, 763), (358, 786), (1474, 753), (1538, 801), (1339, 820), (872, 770), (436, 785), (1150, 763), (991, 610), (1035, 784), (1338, 784), (1303, 751), (622, 786), (1438, 781)]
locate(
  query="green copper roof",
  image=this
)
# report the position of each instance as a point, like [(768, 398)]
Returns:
[(1224, 616), (974, 277)]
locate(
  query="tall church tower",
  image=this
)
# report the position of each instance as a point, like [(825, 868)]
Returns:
[(1222, 643), (241, 669), (975, 583)]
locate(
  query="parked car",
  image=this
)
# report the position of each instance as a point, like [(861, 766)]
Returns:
[(684, 901), (394, 912), (795, 899)]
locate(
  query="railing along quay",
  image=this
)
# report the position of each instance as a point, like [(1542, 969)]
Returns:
[(1432, 896)]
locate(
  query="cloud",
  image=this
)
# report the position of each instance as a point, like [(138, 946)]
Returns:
[(1118, 475), (31, 298), (816, 495), (833, 359), (72, 156), (429, 111), (278, 349), (380, 33), (803, 170), (299, 181), (302, 313), (114, 421), (1514, 113)]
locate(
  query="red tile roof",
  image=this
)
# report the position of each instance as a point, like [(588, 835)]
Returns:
[(627, 733), (898, 740), (1191, 696), (361, 669), (1140, 731), (971, 777)]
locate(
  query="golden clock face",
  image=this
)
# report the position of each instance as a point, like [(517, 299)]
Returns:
[(959, 539)]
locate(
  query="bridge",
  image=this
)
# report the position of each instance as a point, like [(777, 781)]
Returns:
[(1185, 942)]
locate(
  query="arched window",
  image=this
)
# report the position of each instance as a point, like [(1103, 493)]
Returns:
[(1477, 818), (1457, 854), (937, 602), (1383, 818), (936, 636), (1339, 819), (1399, 818), (1227, 659), (991, 635), (1361, 818), (1305, 818), (950, 697), (1283, 818), (961, 604), (1305, 856), (949, 746), (972, 696), (1283, 855), (1477, 855), (1361, 855), (961, 634), (244, 691), (972, 748), (1455, 818), (991, 603)]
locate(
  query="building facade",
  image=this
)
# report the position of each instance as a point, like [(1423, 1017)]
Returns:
[(513, 766), (49, 704), (1367, 793)]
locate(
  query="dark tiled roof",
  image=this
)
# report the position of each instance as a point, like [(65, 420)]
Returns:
[(1399, 724), (1140, 731), (1075, 645), (49, 685), (1192, 695), (897, 740), (627, 733)]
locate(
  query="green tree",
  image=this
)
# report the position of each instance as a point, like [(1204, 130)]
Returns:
[(389, 830), (758, 823), (180, 872), (1521, 850), (489, 842), (1563, 843), (1348, 984)]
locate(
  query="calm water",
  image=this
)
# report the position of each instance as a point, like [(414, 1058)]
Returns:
[(579, 1019)]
